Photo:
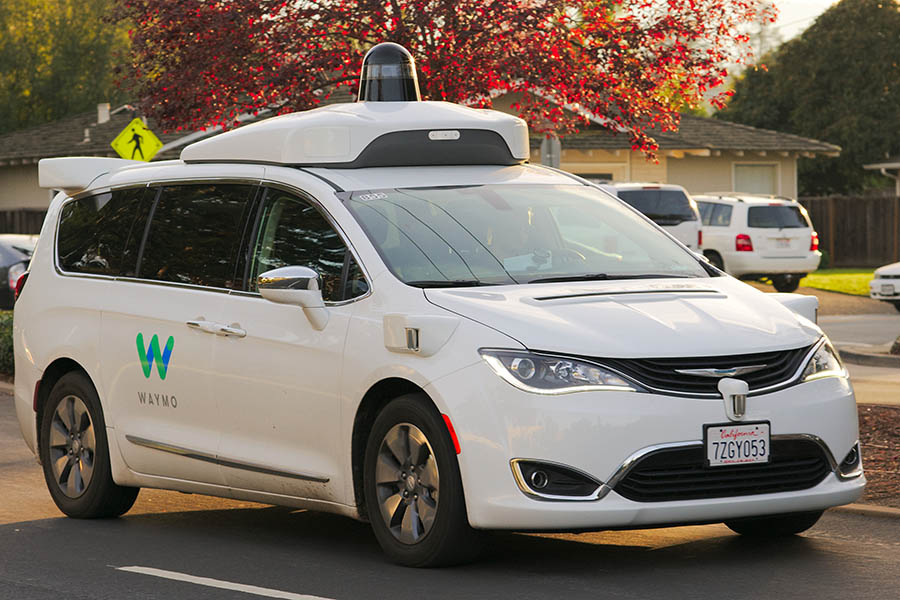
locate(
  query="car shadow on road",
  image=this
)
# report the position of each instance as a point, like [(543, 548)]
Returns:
[(314, 552)]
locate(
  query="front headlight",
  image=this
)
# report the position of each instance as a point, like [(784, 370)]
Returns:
[(824, 363), (543, 374)]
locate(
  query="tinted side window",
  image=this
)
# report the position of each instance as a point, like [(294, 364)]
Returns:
[(721, 216), (294, 233), (705, 209), (195, 233), (787, 217), (664, 207), (100, 234)]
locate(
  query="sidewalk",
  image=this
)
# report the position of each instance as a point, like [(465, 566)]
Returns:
[(875, 385)]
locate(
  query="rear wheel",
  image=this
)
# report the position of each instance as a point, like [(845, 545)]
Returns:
[(789, 282), (413, 490), (774, 525), (75, 453), (715, 259)]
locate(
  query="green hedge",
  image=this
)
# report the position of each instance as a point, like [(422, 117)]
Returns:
[(7, 364)]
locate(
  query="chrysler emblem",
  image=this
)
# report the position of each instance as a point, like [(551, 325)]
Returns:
[(718, 373)]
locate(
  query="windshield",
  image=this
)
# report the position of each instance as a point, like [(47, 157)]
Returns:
[(665, 207), (776, 217), (507, 234)]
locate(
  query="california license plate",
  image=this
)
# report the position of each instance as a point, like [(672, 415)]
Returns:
[(887, 289), (782, 242), (736, 444)]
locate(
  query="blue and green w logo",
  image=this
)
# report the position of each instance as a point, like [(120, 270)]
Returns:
[(148, 355)]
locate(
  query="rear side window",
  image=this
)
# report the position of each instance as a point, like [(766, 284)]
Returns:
[(714, 215), (194, 234), (664, 207), (777, 217), (100, 235)]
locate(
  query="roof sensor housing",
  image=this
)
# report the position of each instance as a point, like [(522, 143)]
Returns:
[(388, 75)]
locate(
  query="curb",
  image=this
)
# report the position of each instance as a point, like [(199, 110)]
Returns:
[(869, 359), (6, 387), (870, 510)]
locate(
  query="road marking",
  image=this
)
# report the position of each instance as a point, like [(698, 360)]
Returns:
[(216, 583)]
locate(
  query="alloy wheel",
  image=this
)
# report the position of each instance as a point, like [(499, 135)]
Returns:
[(406, 483), (72, 446)]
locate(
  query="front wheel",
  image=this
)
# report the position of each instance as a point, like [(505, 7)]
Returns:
[(413, 491), (789, 282), (75, 453), (774, 525)]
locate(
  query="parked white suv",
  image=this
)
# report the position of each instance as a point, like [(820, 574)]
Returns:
[(753, 237), (885, 284), (667, 205), (381, 310)]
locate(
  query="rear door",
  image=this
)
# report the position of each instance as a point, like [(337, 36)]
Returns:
[(158, 330), (779, 230)]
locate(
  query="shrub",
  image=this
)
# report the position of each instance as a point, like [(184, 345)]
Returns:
[(7, 364)]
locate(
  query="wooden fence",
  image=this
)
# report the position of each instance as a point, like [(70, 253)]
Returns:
[(24, 220), (857, 231)]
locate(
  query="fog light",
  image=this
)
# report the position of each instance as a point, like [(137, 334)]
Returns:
[(539, 480), (553, 481), (851, 466)]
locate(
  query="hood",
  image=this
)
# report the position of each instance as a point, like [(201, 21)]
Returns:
[(635, 318), (891, 269)]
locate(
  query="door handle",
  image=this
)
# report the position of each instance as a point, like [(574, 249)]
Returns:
[(231, 331), (204, 326)]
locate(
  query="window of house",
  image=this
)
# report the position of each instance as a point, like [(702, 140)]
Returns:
[(756, 179)]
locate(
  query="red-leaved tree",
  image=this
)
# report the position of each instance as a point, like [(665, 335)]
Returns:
[(631, 63)]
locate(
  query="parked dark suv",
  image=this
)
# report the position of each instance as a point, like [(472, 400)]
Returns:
[(15, 252)]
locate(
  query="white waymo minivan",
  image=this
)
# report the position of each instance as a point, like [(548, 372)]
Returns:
[(381, 310)]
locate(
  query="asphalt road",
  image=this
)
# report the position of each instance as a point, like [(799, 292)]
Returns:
[(177, 546), (861, 329)]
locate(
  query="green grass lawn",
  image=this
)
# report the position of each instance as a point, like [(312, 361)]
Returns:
[(846, 281)]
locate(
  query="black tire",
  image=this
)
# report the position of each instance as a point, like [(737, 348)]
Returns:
[(896, 305), (774, 525), (715, 259), (449, 539), (97, 496), (787, 283)]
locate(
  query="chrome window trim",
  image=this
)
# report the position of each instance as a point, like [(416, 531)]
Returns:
[(261, 182), (221, 461), (598, 493)]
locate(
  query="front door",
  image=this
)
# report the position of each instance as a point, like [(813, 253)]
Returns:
[(278, 379)]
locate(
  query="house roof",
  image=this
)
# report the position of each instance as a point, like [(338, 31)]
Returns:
[(888, 163), (701, 133), (66, 137)]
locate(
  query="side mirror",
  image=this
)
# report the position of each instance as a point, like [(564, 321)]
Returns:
[(300, 286)]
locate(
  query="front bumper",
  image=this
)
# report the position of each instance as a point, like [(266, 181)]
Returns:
[(597, 432), (885, 289), (744, 263)]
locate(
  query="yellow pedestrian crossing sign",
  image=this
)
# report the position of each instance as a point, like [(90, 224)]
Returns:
[(136, 142)]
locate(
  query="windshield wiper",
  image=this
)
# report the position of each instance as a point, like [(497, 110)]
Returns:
[(606, 276), (439, 283)]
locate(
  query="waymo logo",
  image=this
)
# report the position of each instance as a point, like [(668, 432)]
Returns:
[(152, 353)]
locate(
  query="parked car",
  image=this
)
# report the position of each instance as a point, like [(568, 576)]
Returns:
[(885, 286), (381, 310), (755, 237), (667, 205), (15, 252)]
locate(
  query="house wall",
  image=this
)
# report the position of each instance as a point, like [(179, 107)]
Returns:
[(19, 188), (700, 174)]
